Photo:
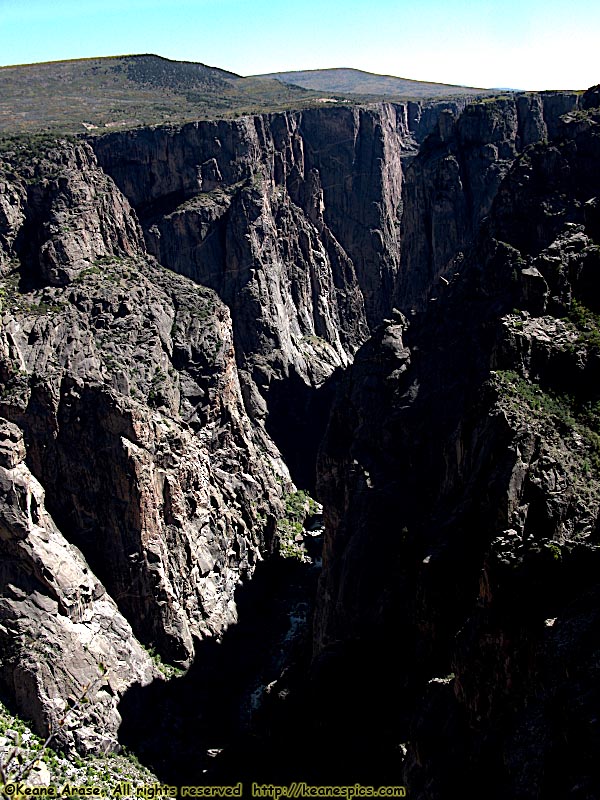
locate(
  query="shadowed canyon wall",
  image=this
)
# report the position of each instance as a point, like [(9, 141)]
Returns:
[(459, 476)]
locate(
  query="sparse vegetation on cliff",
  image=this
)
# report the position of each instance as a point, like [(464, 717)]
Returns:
[(582, 418), (299, 506), (587, 323), (28, 758)]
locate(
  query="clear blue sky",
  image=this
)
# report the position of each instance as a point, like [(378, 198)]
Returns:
[(529, 44)]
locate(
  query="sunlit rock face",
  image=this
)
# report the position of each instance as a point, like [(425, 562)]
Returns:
[(123, 410)]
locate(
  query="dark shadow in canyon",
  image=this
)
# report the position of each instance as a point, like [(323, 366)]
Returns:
[(322, 721), (177, 727), (298, 417)]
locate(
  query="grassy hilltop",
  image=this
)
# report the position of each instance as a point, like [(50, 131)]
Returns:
[(126, 91), (129, 91)]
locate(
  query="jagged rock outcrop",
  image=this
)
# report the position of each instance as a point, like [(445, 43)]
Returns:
[(423, 118), (122, 377), (12, 216), (461, 491), (292, 292), (63, 639), (70, 214), (452, 182)]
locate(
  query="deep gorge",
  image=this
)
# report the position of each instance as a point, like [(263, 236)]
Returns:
[(394, 307)]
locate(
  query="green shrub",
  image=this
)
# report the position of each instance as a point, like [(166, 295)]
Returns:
[(588, 324), (298, 506)]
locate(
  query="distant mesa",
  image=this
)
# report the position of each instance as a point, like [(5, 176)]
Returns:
[(344, 80)]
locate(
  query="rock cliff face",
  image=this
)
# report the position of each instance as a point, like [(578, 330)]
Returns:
[(122, 379), (63, 638), (451, 184), (339, 169), (292, 219), (460, 475)]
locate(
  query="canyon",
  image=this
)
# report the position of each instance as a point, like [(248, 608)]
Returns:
[(393, 306)]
